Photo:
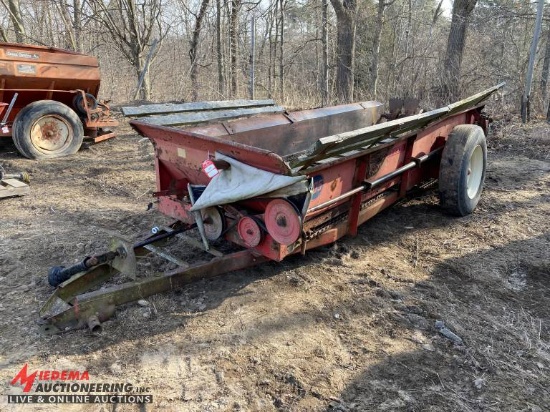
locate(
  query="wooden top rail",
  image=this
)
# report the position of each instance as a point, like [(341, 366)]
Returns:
[(362, 139), (180, 114)]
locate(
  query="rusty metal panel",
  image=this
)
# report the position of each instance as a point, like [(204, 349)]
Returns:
[(243, 125), (39, 73), (214, 130), (36, 67), (329, 111), (186, 151), (289, 138), (16, 51)]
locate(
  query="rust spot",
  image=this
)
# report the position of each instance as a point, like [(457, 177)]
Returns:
[(333, 185)]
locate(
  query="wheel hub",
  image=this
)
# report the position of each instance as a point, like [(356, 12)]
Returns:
[(249, 231), (283, 221), (51, 133), (214, 223)]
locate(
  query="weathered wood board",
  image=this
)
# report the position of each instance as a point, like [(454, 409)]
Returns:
[(178, 119), (166, 108), (13, 187)]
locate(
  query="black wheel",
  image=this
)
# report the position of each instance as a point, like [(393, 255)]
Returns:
[(78, 103), (47, 129), (462, 169)]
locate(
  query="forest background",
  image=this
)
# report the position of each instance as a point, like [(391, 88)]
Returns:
[(302, 53)]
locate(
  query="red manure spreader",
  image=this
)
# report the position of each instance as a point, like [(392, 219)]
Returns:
[(274, 185)]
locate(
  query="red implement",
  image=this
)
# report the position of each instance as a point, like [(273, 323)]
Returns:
[(284, 183), (352, 166), (52, 96)]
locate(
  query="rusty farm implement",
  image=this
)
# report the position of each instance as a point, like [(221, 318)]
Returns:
[(49, 100), (273, 185)]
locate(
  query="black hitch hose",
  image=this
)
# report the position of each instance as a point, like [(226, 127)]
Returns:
[(59, 274)]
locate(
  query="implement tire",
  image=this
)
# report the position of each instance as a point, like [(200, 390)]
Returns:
[(47, 129), (462, 170)]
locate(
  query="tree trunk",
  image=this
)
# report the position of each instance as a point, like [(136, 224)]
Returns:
[(345, 56), (545, 70), (252, 60), (65, 15), (51, 39), (273, 41), (221, 86), (526, 98), (376, 48), (193, 45), (146, 87), (17, 20), (77, 25), (462, 9), (281, 51), (233, 46), (129, 28), (324, 65)]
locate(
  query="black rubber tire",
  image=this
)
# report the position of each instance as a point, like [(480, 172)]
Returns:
[(462, 170), (78, 103), (56, 113)]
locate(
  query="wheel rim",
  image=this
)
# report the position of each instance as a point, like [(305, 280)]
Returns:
[(51, 133), (91, 102), (213, 223), (475, 172)]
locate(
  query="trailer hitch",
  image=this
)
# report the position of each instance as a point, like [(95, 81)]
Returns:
[(75, 304), (121, 257)]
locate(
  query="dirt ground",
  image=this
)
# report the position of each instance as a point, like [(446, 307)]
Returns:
[(349, 327)]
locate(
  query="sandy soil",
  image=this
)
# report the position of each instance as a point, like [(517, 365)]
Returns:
[(349, 327)]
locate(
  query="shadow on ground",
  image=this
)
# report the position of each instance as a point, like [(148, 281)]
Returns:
[(498, 302)]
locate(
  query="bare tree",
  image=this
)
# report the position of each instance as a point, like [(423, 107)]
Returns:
[(219, 50), (526, 97), (72, 22), (3, 35), (14, 10), (382, 4), (282, 4), (385, 49), (273, 26), (462, 9), (193, 45), (545, 69), (233, 44), (131, 27), (324, 64), (345, 55)]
